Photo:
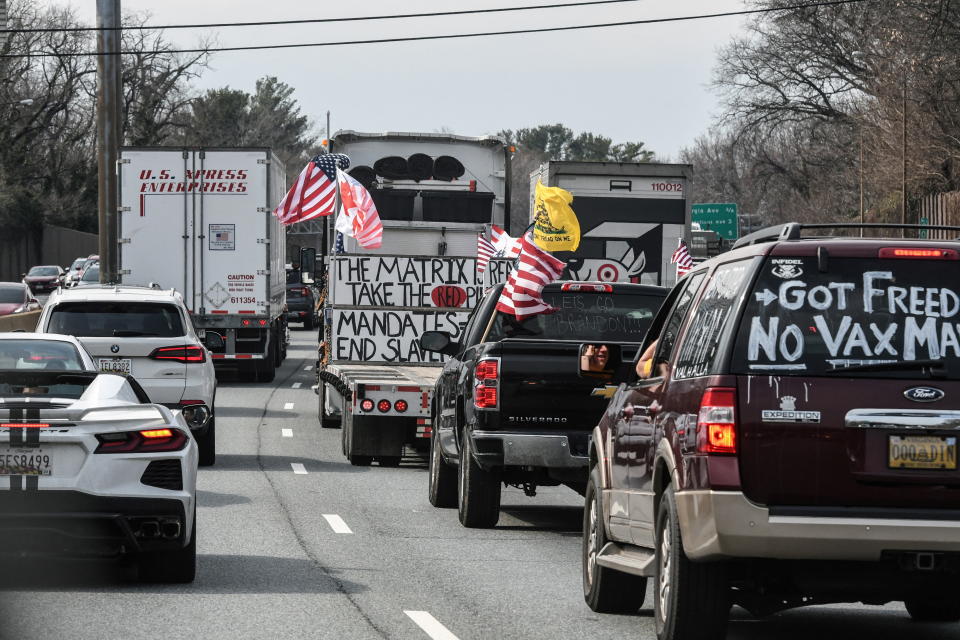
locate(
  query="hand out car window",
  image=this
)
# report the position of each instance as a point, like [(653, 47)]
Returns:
[(860, 312), (116, 319)]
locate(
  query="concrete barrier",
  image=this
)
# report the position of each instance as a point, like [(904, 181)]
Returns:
[(25, 321)]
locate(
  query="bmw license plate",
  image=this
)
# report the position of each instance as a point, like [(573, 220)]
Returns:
[(116, 365), (25, 462), (922, 452)]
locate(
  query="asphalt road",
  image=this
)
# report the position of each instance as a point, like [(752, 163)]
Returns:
[(345, 552)]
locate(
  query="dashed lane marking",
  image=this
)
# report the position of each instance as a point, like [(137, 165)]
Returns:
[(431, 625), (298, 468), (336, 523), (296, 385), (309, 367), (288, 406), (287, 433)]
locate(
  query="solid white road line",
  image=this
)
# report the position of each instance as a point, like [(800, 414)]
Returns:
[(336, 523), (296, 385), (309, 367), (431, 625), (298, 468), (287, 433), (288, 406)]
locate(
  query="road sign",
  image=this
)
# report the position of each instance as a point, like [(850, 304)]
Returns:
[(924, 233), (719, 217)]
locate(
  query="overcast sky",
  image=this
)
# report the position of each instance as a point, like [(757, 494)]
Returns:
[(644, 82)]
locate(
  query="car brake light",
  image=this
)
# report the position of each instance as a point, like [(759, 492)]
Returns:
[(920, 254), (487, 384), (587, 286), (305, 291), (24, 425), (400, 405), (716, 423), (366, 405), (145, 441), (189, 353), (383, 406)]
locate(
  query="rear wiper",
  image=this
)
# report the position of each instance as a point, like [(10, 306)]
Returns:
[(124, 333), (931, 368)]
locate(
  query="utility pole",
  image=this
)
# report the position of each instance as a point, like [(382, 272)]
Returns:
[(108, 134)]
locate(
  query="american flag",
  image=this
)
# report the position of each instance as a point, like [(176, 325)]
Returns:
[(682, 259), (358, 214), (338, 247), (522, 296), (484, 251), (314, 192), (504, 246)]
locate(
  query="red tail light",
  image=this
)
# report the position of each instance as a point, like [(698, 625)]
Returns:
[(487, 384), (400, 405), (383, 406), (185, 353), (24, 425), (366, 404), (716, 424), (305, 291), (920, 254), (146, 441)]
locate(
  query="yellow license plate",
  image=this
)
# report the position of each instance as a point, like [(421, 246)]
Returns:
[(922, 452)]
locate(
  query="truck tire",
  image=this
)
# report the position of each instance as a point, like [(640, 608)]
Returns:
[(360, 461), (442, 483), (207, 445), (266, 369), (326, 422), (175, 566), (478, 491), (691, 599), (604, 590), (934, 608)]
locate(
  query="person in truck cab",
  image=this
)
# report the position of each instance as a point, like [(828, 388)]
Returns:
[(595, 358)]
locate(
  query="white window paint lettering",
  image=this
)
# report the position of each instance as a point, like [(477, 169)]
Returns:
[(820, 298), (916, 302), (884, 338), (948, 340), (869, 291), (798, 296), (832, 341), (896, 295), (841, 289), (857, 340), (949, 303), (761, 338), (919, 335), (794, 332), (931, 302)]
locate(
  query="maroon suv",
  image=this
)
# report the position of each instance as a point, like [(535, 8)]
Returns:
[(795, 441)]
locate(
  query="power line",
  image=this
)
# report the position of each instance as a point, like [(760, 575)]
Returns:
[(431, 14), (341, 43)]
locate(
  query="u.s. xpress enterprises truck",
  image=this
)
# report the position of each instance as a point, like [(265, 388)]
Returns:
[(435, 193), (200, 221)]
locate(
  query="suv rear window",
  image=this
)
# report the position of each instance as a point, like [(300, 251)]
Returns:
[(610, 317), (96, 319), (860, 312)]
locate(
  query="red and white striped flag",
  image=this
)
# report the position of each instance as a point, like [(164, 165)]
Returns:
[(522, 296), (682, 259), (358, 214), (313, 194), (484, 251), (504, 246)]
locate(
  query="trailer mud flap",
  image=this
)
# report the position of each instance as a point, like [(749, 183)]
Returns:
[(378, 436)]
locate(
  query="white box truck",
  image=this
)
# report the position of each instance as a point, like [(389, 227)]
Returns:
[(435, 193), (200, 221)]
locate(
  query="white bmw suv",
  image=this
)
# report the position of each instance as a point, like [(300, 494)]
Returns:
[(145, 333)]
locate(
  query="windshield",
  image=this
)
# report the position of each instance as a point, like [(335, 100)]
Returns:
[(78, 263), (861, 311), (92, 274), (110, 319), (43, 271), (17, 384), (25, 355), (605, 317), (11, 294)]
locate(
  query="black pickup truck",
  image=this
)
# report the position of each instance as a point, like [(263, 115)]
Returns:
[(517, 401)]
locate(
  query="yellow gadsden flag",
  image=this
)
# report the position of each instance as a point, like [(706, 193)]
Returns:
[(555, 225)]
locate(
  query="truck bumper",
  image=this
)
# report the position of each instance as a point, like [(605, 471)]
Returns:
[(547, 450), (724, 524)]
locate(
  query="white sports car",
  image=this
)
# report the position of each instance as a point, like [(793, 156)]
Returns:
[(88, 466)]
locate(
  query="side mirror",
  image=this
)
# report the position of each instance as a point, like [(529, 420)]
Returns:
[(439, 342), (599, 360), (213, 341)]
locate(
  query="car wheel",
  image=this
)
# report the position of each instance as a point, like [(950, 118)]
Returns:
[(604, 590), (176, 566), (934, 608), (207, 444), (691, 599), (442, 483), (478, 491)]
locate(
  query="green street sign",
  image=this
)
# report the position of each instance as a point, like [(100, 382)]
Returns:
[(719, 217), (924, 233)]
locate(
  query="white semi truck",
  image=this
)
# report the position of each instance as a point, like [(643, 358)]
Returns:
[(435, 193), (200, 221)]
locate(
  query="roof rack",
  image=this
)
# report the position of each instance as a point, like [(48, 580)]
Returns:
[(792, 230)]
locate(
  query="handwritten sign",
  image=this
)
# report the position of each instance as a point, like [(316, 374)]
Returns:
[(384, 335)]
